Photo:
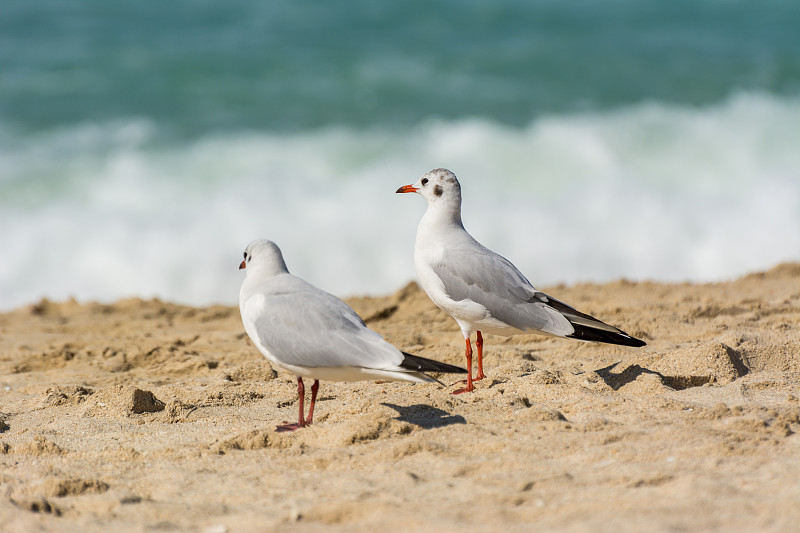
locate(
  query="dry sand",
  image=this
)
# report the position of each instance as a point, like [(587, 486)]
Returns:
[(144, 415)]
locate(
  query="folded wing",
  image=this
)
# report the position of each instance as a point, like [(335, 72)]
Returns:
[(305, 326), (482, 276)]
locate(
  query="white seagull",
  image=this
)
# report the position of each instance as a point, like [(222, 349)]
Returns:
[(482, 290), (313, 334)]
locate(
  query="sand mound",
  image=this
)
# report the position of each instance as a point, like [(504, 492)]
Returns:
[(122, 401), (252, 371), (64, 395)]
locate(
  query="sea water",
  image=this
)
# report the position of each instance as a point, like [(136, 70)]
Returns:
[(143, 145)]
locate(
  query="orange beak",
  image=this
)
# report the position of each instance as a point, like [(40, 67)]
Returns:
[(242, 265), (407, 188)]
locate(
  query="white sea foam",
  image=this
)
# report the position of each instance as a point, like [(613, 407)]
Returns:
[(650, 191)]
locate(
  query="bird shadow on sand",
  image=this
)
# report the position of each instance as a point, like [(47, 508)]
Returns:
[(425, 416), (617, 380)]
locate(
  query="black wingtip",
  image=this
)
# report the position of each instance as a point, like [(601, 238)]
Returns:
[(421, 364), (584, 333), (587, 333)]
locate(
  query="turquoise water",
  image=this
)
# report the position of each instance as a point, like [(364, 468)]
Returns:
[(143, 144), (196, 67)]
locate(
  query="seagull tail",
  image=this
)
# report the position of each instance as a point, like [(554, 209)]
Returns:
[(587, 327), (418, 365), (585, 332)]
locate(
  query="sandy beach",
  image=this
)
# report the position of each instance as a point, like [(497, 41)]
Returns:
[(151, 416)]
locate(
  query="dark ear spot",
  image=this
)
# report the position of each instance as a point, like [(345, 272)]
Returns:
[(438, 190)]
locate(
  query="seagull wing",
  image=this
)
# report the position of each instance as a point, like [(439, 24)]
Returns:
[(475, 273), (302, 325)]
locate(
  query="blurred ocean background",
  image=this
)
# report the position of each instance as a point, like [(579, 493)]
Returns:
[(144, 144)]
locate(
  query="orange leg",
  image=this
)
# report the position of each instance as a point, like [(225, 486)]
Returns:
[(468, 355), (479, 343), (314, 389), (301, 392)]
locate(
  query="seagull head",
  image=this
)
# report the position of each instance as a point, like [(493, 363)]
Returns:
[(438, 186), (263, 257)]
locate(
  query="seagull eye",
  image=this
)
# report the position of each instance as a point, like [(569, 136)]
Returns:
[(424, 181), (245, 255)]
